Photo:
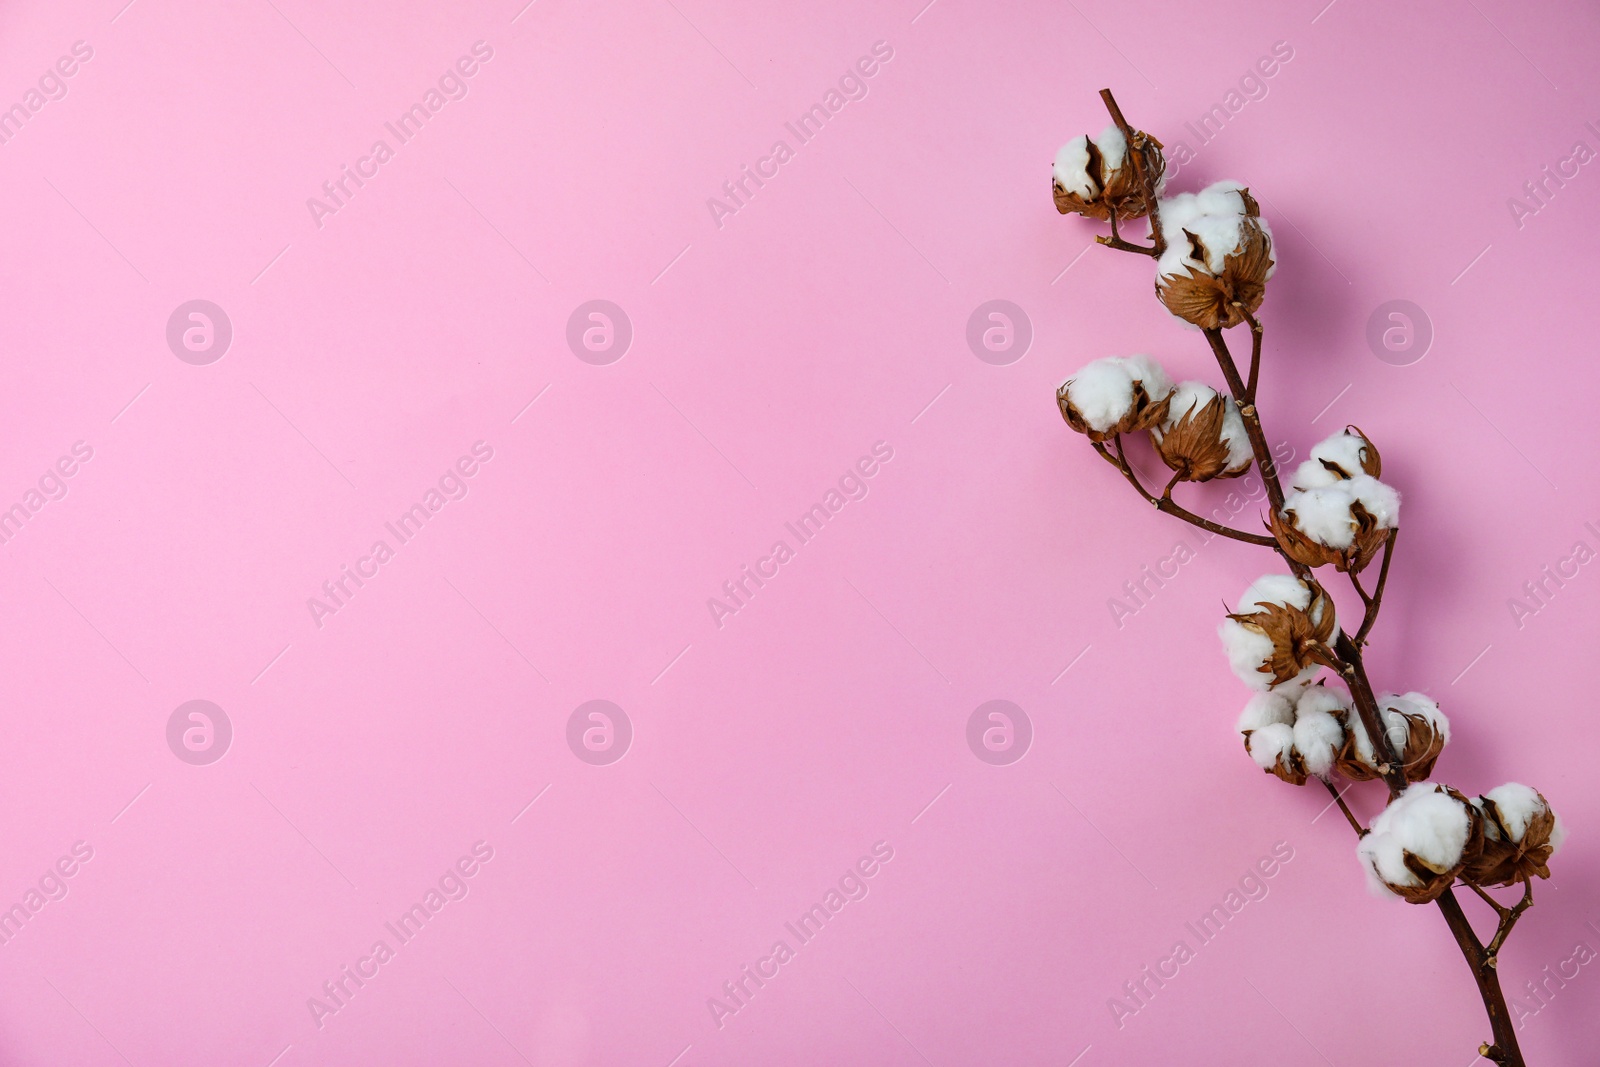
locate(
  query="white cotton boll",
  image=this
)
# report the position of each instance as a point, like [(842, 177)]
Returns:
[(1175, 259), (1424, 821), (1236, 436), (1270, 743), (1072, 168), (1317, 737), (1178, 211), (1113, 147), (1272, 267), (1384, 860), (1517, 805), (1313, 475), (1102, 392), (1381, 501), (1417, 706), (1323, 514), (1221, 236), (1283, 589), (1267, 709), (1321, 699), (1144, 369), (1343, 448), (1246, 651), (1187, 397), (1221, 198)]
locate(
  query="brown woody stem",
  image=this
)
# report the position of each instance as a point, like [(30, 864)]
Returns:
[(1355, 824), (1505, 1050), (1375, 602), (1116, 241), (1135, 141), (1255, 353)]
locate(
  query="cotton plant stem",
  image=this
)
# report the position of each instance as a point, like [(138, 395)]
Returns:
[(1355, 824), (1375, 602), (1349, 655), (1116, 241), (1255, 353), (1166, 504), (1505, 1050)]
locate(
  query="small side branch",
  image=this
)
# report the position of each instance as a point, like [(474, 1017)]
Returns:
[(1167, 505), (1255, 353), (1355, 824), (1374, 603), (1116, 241)]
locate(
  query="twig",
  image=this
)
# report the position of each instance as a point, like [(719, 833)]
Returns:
[(1171, 507), (1255, 352), (1136, 140), (1361, 831), (1116, 241), (1508, 919), (1375, 603)]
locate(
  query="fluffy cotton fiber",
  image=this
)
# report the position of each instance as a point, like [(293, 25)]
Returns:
[(1267, 709), (1072, 161), (1102, 392), (1424, 821), (1319, 728), (1323, 512), (1343, 450), (1072, 169)]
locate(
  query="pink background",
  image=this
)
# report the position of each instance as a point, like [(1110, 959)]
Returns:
[(769, 353)]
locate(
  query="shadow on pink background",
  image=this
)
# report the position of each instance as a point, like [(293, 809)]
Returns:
[(416, 734)]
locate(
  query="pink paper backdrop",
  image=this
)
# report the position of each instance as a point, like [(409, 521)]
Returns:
[(771, 349)]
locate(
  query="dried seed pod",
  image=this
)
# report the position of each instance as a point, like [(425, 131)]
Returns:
[(1417, 732), (1215, 269), (1280, 633), (1417, 845), (1202, 436), (1520, 834), (1095, 177), (1119, 394)]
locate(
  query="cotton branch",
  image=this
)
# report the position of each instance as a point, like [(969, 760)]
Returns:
[(1338, 514)]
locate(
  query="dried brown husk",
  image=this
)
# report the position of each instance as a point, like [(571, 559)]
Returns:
[(1299, 637), (1432, 883), (1423, 744), (1194, 446), (1503, 861), (1119, 187), (1143, 414), (1223, 300), (1368, 540)]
